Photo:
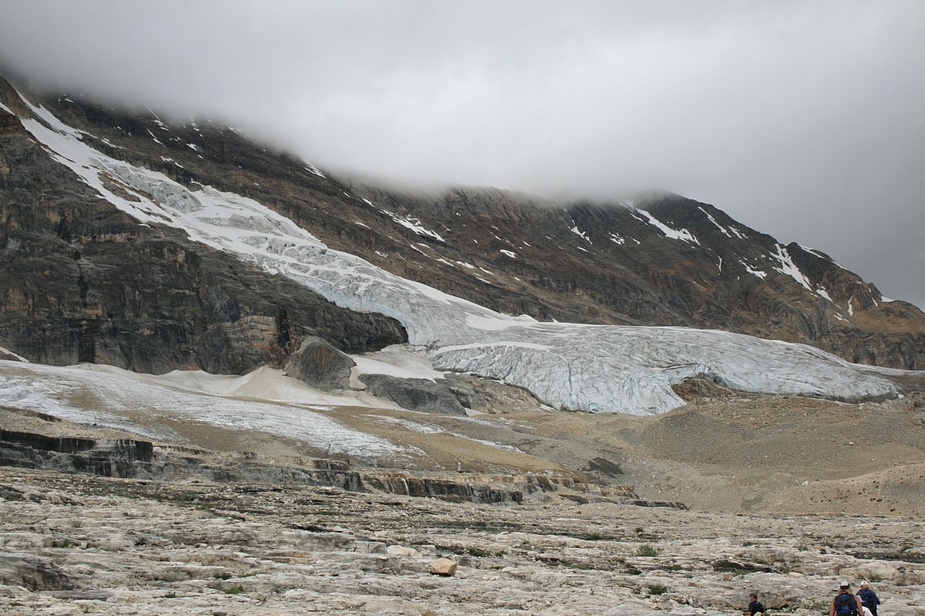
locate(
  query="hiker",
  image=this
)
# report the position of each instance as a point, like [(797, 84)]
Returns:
[(868, 598), (845, 603), (754, 607)]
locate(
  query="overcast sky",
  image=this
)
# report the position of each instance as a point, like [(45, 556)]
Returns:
[(805, 120)]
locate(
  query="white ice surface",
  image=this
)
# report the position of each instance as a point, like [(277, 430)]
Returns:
[(579, 367), (398, 360), (109, 396)]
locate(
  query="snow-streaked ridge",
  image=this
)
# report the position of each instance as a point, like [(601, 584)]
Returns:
[(580, 367)]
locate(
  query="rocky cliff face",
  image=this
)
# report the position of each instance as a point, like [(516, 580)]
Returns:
[(658, 260), (81, 281)]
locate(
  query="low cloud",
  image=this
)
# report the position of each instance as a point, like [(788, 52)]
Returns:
[(799, 119)]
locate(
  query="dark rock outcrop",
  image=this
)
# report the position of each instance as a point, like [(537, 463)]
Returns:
[(106, 457), (136, 459), (474, 488), (414, 394), (486, 395), (320, 365)]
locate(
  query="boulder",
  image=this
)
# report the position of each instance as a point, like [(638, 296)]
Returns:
[(444, 567), (399, 550), (414, 394), (320, 365)]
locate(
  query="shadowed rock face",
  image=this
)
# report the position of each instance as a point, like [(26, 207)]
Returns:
[(137, 459), (107, 457)]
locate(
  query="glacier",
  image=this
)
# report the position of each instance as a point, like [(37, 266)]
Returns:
[(115, 398), (593, 368)]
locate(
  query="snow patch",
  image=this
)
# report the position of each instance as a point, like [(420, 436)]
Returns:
[(738, 233), (713, 220), (414, 224), (12, 354), (581, 234), (675, 234), (753, 271), (788, 268), (313, 169), (413, 247), (401, 361), (820, 255)]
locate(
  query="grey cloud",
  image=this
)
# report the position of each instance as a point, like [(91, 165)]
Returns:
[(802, 119)]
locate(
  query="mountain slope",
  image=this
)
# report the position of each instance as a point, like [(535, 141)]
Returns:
[(658, 260), (580, 367)]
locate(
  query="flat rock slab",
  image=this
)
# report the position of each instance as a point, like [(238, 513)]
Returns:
[(196, 547)]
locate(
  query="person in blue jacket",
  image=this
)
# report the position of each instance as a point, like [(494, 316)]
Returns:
[(754, 606), (868, 598)]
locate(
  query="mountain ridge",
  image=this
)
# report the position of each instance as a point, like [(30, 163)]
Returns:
[(658, 260), (746, 282)]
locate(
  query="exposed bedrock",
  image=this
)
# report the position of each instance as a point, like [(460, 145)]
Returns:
[(414, 394), (136, 459)]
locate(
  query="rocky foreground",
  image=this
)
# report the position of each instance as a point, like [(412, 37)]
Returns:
[(566, 513), (74, 544)]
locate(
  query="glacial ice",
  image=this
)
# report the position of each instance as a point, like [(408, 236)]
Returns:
[(595, 368), (115, 398)]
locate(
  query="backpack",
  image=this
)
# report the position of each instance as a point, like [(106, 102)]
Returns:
[(868, 598), (846, 605)]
